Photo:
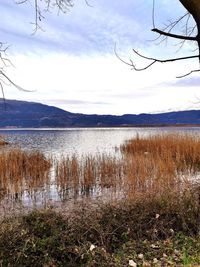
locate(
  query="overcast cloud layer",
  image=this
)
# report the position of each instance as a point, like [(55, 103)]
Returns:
[(71, 63)]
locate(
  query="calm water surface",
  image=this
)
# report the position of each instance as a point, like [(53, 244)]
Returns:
[(81, 140)]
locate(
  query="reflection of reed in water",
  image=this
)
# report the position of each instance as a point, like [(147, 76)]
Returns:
[(88, 175), (154, 165), (20, 171)]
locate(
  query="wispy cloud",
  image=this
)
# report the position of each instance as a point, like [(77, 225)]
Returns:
[(186, 82), (75, 102)]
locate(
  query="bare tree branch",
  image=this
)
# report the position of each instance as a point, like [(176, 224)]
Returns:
[(177, 36), (190, 28), (11, 82), (153, 60), (187, 74)]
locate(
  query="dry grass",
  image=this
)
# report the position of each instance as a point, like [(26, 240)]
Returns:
[(181, 150), (88, 174), (152, 165), (161, 163), (20, 170)]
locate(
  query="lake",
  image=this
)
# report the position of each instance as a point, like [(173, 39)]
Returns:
[(68, 142), (81, 140)]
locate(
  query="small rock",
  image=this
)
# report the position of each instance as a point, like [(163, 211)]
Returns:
[(157, 216), (132, 263), (164, 255), (76, 250), (155, 261), (92, 247), (140, 256), (154, 246), (171, 231)]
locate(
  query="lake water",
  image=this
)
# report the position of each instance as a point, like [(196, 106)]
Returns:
[(70, 141), (81, 140)]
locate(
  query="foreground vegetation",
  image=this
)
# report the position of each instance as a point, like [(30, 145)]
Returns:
[(148, 231), (154, 222)]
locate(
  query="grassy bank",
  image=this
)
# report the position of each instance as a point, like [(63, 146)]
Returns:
[(150, 231)]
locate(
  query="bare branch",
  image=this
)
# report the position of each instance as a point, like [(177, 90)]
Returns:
[(153, 60), (177, 36), (164, 60), (4, 99), (153, 14), (14, 84), (189, 73)]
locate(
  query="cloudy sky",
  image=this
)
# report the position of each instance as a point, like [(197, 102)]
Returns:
[(71, 63)]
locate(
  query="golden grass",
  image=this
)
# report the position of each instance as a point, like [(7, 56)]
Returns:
[(153, 165), (183, 150), (20, 170), (88, 174), (161, 163)]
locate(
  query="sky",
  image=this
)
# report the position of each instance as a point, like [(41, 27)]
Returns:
[(71, 62)]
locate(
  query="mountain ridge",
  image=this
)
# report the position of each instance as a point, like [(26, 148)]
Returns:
[(23, 114)]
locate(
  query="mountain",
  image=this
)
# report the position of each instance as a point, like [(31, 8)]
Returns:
[(25, 114)]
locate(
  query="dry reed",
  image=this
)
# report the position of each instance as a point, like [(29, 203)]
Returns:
[(153, 165), (20, 170), (161, 163), (90, 173)]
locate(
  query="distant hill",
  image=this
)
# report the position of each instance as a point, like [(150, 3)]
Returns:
[(29, 114)]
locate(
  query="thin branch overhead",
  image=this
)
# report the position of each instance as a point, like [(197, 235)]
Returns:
[(151, 59), (185, 25)]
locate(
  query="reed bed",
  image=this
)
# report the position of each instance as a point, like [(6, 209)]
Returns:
[(20, 170), (183, 150), (161, 163), (88, 174), (153, 165)]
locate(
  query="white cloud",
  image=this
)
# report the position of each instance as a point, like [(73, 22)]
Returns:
[(73, 60)]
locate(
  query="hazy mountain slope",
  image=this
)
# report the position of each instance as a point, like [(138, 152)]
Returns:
[(29, 114)]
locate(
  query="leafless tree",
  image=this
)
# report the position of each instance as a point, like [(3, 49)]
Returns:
[(191, 22)]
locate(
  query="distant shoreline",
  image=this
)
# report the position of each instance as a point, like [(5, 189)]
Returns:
[(102, 127)]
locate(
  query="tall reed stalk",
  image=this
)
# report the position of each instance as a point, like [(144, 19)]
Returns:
[(20, 170)]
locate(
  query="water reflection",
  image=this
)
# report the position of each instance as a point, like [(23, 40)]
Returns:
[(79, 163), (80, 140)]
